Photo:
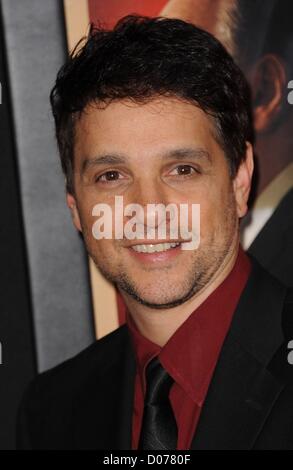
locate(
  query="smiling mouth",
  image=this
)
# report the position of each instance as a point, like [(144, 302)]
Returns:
[(155, 248)]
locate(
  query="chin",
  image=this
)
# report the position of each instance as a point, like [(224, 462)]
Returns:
[(156, 300)]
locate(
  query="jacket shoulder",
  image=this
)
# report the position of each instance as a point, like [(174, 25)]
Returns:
[(69, 374), (46, 405)]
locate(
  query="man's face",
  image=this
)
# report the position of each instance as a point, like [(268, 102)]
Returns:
[(164, 152)]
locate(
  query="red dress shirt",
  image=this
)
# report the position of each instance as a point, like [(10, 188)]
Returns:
[(190, 355)]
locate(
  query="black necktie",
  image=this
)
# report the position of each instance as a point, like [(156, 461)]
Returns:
[(159, 428)]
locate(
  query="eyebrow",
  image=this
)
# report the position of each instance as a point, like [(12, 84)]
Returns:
[(103, 159), (197, 153)]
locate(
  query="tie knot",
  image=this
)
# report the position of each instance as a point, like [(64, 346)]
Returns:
[(158, 383)]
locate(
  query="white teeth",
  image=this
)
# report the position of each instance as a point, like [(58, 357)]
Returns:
[(154, 248)]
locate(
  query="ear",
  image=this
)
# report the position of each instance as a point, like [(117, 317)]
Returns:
[(71, 203), (268, 81), (242, 181)]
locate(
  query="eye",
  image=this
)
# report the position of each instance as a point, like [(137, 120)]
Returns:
[(184, 170), (108, 176)]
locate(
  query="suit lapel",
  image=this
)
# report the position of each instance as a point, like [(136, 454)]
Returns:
[(243, 390), (240, 398), (103, 409)]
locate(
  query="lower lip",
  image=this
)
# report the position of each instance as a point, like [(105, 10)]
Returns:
[(156, 256)]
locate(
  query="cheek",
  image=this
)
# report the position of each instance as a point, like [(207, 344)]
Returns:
[(215, 206), (102, 251)]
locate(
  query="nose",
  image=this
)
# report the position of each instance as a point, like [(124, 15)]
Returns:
[(149, 200)]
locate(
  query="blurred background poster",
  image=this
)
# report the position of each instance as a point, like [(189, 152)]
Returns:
[(53, 300)]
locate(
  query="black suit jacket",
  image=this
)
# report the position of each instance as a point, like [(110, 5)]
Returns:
[(273, 246), (86, 402)]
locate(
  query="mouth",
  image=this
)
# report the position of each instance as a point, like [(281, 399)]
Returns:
[(154, 247), (155, 253)]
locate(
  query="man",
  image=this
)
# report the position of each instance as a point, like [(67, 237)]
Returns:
[(259, 35), (157, 112)]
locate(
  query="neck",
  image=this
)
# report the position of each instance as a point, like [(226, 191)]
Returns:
[(159, 325)]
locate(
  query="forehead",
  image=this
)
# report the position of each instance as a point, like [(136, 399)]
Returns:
[(156, 124)]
